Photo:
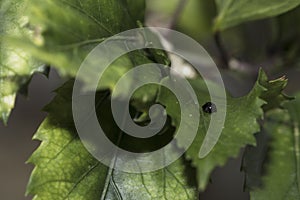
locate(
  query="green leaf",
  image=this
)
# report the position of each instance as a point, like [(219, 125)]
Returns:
[(253, 160), (16, 65), (275, 96), (235, 12), (65, 170), (69, 29), (240, 124), (281, 177)]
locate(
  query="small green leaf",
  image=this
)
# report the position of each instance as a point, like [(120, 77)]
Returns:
[(235, 12), (16, 65), (275, 96), (64, 169), (240, 125)]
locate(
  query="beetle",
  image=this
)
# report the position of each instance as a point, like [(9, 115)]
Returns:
[(209, 107)]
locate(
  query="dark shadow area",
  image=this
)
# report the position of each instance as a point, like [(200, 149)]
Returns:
[(16, 144)]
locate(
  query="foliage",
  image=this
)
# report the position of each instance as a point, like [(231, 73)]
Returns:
[(281, 137), (64, 165), (16, 65), (37, 35), (234, 12)]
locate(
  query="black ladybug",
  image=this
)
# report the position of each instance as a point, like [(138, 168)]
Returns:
[(209, 107)]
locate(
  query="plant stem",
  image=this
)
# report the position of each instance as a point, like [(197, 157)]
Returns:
[(223, 53), (111, 169), (178, 11)]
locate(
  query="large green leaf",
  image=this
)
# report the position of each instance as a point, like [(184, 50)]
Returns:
[(281, 177), (69, 29), (234, 12), (65, 170), (16, 65), (274, 172), (240, 124), (253, 160)]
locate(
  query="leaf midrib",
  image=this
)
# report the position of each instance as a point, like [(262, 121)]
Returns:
[(81, 178)]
